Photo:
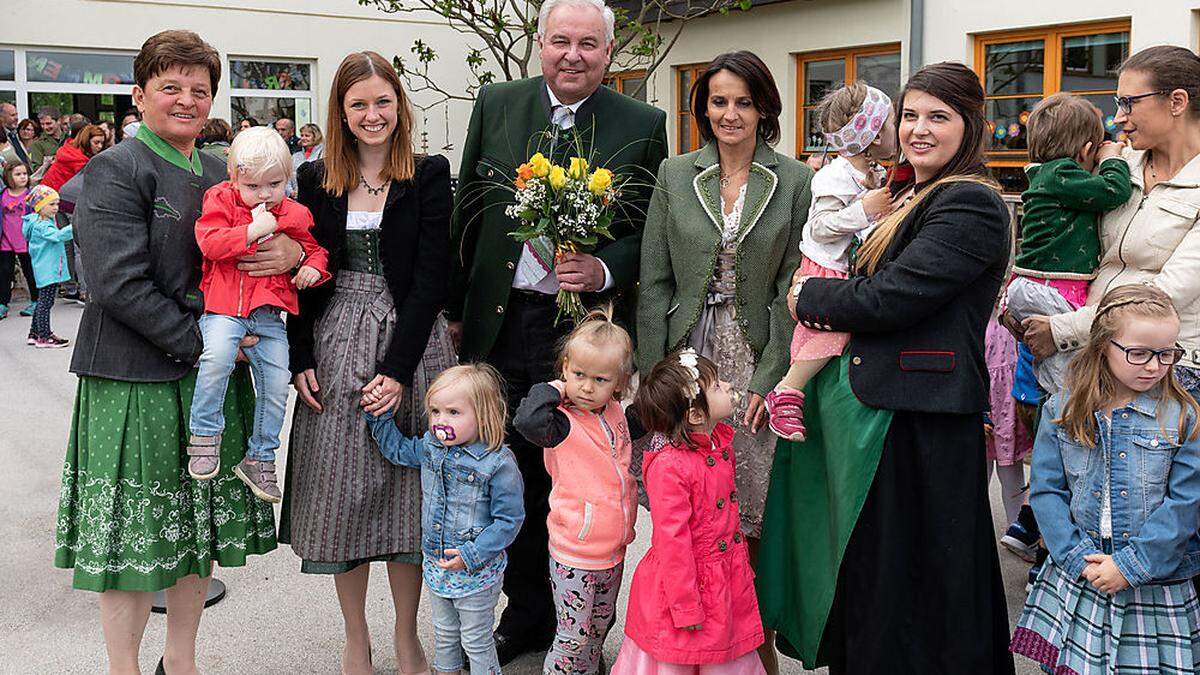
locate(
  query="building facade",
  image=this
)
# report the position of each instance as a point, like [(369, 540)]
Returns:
[(280, 56)]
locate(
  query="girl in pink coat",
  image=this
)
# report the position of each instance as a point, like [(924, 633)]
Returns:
[(692, 607)]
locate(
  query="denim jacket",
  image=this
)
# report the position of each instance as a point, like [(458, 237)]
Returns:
[(1154, 489), (472, 498)]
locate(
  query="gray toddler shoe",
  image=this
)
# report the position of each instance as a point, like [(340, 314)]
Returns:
[(260, 478), (204, 456)]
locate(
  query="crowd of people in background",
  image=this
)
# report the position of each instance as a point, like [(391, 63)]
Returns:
[(54, 148)]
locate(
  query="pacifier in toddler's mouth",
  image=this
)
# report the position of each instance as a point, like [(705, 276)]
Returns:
[(443, 432)]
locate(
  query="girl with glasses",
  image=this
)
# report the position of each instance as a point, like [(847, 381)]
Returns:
[(1116, 490)]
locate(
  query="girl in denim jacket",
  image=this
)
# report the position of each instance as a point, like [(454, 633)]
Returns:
[(472, 507), (1116, 490)]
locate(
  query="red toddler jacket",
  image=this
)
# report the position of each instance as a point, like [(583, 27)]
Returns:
[(221, 234)]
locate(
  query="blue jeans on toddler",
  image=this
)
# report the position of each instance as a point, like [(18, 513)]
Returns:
[(268, 363), (464, 625)]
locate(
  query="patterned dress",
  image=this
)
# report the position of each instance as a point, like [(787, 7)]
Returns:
[(343, 503), (719, 337)]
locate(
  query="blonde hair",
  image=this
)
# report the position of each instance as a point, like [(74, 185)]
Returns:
[(486, 389), (598, 330), (870, 254), (258, 150), (1092, 384), (840, 106)]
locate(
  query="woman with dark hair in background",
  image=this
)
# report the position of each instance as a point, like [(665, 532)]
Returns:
[(879, 553), (215, 138)]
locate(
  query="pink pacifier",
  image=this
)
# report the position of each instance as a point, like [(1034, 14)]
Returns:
[(443, 432)]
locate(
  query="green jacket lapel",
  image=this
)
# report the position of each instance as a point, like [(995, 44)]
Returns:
[(760, 187), (707, 184)]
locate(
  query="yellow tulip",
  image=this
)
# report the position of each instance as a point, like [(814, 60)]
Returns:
[(600, 181), (540, 165), (558, 177), (579, 167)]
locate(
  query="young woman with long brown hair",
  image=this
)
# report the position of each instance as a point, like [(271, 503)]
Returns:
[(897, 568), (372, 339)]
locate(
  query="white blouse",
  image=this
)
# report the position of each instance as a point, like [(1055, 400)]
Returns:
[(363, 220)]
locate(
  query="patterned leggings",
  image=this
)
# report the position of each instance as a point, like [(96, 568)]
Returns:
[(586, 604), (41, 315)]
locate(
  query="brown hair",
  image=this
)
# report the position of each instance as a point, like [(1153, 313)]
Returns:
[(487, 396), (9, 168), (216, 130), (27, 122), (1061, 126), (759, 81), (171, 48), (840, 106), (662, 399), (1092, 384), (83, 139), (341, 154), (599, 330), (958, 87), (1169, 68)]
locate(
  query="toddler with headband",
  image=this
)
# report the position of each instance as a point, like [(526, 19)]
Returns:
[(849, 196)]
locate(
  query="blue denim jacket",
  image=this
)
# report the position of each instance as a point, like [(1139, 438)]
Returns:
[(1154, 488), (472, 498)]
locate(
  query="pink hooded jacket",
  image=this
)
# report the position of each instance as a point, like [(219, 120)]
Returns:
[(697, 570)]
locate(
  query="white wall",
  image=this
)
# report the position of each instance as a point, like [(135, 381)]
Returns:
[(323, 31)]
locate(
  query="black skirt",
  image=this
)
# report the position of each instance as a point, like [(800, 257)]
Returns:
[(919, 589)]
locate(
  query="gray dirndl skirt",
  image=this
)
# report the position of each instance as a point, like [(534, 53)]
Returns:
[(343, 503)]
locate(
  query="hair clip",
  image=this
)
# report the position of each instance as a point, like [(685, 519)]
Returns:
[(691, 363)]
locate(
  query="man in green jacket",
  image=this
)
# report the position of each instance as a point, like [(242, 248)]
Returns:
[(502, 293), (48, 142)]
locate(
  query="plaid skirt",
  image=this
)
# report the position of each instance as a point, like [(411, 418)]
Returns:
[(1073, 629)]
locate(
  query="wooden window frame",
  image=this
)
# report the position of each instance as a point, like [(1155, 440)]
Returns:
[(1052, 39), (683, 107), (850, 56), (617, 79)]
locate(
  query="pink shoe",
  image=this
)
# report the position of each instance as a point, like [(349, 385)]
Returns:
[(786, 408)]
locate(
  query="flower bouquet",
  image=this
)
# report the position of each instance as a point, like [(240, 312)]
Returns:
[(563, 210)]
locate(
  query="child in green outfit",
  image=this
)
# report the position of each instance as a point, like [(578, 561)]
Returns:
[(1060, 240)]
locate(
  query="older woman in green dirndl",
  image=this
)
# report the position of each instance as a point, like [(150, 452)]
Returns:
[(130, 520)]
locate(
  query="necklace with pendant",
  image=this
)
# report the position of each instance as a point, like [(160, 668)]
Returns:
[(727, 178), (373, 191)]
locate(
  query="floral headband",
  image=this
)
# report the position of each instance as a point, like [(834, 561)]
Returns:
[(861, 130), (691, 363)]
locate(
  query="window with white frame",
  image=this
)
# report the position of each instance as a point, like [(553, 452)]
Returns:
[(266, 90), (8, 76)]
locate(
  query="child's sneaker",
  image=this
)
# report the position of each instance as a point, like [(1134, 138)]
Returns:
[(1021, 541), (786, 410), (204, 456), (31, 339), (52, 342), (29, 309), (260, 478)]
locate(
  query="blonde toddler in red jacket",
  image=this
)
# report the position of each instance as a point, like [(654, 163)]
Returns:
[(593, 497), (692, 607), (237, 215)]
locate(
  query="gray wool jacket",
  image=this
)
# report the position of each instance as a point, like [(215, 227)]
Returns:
[(681, 242), (137, 232)]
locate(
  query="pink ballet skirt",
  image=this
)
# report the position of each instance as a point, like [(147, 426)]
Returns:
[(809, 344), (633, 661), (1010, 442)]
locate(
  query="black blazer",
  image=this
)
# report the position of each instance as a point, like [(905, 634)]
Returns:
[(414, 248), (917, 325)]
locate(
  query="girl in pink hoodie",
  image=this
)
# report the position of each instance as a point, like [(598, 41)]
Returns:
[(593, 496), (692, 607)]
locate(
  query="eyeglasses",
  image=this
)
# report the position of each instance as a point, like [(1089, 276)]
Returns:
[(1140, 356), (1125, 103)]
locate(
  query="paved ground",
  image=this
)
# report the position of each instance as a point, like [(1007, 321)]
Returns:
[(49, 628)]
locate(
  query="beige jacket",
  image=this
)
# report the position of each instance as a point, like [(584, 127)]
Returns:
[(1153, 238)]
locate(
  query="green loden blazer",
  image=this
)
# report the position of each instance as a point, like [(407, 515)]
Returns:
[(683, 238), (509, 121)]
